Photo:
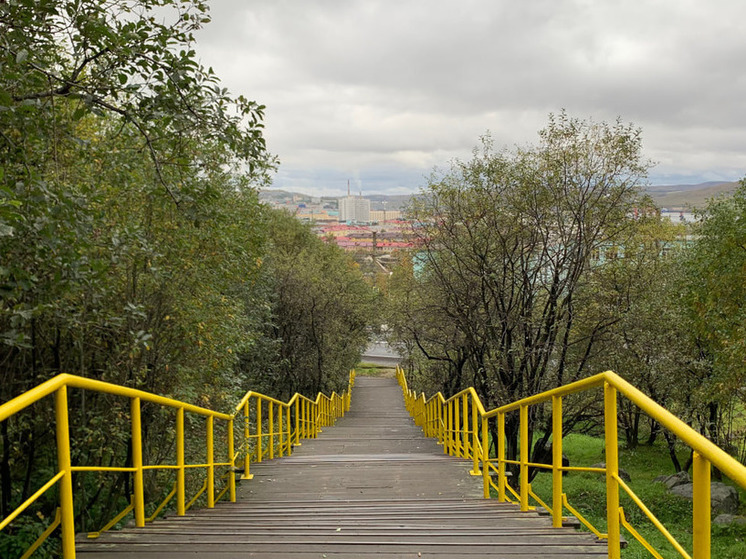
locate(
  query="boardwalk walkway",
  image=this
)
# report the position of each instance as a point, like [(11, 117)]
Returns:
[(371, 486)]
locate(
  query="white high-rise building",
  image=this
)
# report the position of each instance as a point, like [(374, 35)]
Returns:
[(354, 208)]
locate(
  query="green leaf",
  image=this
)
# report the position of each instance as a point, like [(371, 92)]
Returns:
[(21, 56)]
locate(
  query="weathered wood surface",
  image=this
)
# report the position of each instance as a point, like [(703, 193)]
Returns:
[(371, 486)]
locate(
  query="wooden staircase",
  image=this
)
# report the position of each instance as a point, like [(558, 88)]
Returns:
[(371, 486)]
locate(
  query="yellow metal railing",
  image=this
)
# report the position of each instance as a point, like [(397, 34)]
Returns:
[(272, 435), (461, 425), (271, 427)]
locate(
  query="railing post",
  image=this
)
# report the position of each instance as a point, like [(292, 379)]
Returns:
[(701, 512), (271, 433), (138, 485), (485, 459), (297, 421), (315, 419), (304, 421), (431, 419), (523, 429), (426, 420), (302, 413), (449, 428), (259, 434), (612, 471), (210, 463), (312, 420), (556, 461), (456, 429), (246, 438), (465, 421), (289, 433), (232, 461), (180, 470), (434, 430), (280, 431), (441, 424), (475, 437), (500, 443), (67, 513)]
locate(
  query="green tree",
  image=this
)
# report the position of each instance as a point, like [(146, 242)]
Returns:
[(714, 294), (130, 229), (641, 286), (320, 310), (508, 239)]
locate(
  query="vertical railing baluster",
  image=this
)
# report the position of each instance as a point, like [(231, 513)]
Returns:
[(315, 419), (138, 484), (64, 463), (465, 430), (180, 469), (210, 463), (288, 432), (246, 440), (456, 428), (523, 429), (280, 431), (701, 507), (297, 421), (612, 471), (303, 419), (501, 457), (447, 448), (441, 424), (432, 430), (259, 431), (271, 423), (232, 462), (475, 436), (486, 470), (557, 461)]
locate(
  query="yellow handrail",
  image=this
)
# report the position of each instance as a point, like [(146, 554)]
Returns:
[(448, 420), (309, 416)]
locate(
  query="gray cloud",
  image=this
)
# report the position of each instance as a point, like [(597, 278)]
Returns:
[(381, 91)]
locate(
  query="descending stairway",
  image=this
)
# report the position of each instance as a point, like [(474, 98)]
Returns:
[(371, 486)]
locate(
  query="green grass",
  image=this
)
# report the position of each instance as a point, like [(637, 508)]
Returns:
[(587, 493)]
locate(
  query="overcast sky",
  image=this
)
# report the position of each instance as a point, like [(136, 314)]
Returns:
[(381, 92)]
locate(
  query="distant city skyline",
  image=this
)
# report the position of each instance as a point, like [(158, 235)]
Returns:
[(333, 191)]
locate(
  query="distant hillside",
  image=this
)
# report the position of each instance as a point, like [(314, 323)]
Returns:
[(682, 196)]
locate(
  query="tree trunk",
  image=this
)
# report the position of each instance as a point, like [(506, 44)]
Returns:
[(654, 430), (671, 442)]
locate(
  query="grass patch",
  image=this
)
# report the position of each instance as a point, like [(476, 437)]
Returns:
[(587, 493)]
